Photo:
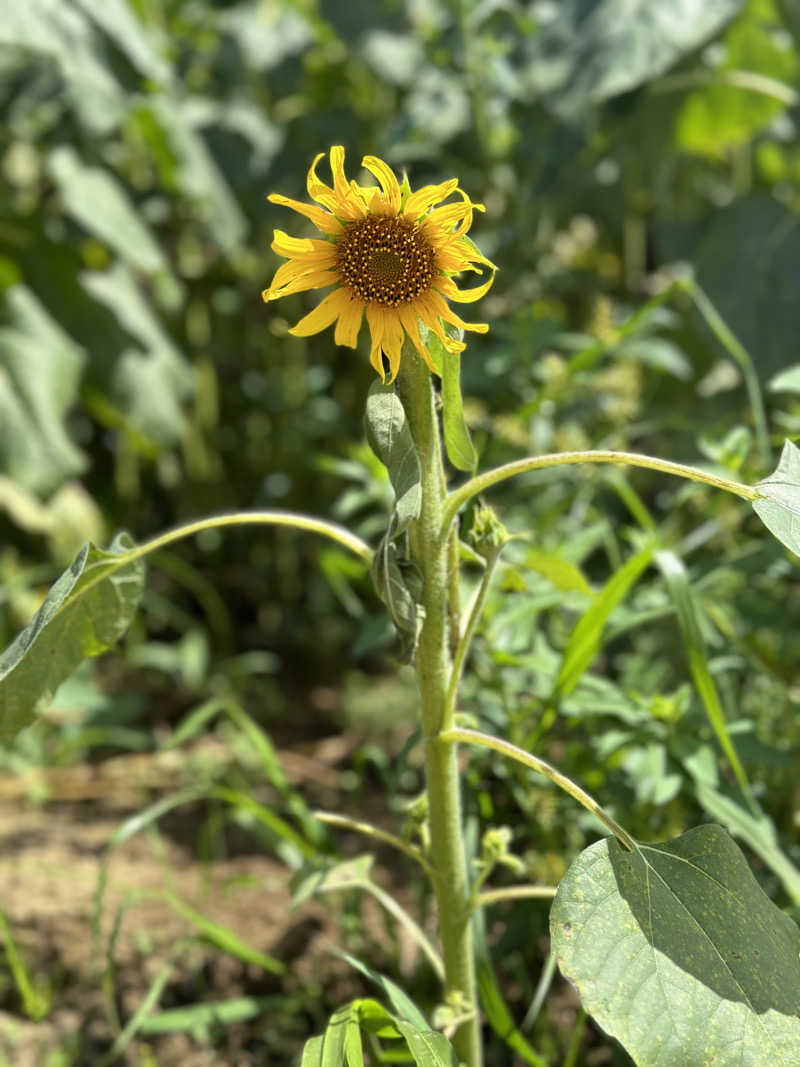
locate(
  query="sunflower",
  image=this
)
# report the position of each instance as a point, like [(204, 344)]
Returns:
[(390, 253)]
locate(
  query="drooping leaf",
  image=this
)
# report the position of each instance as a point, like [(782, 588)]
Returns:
[(390, 439), (86, 611), (778, 507), (591, 50), (40, 372), (457, 440), (678, 953)]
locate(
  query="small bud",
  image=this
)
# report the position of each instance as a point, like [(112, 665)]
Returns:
[(488, 535)]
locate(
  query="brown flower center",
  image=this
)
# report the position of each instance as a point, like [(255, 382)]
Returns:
[(385, 260)]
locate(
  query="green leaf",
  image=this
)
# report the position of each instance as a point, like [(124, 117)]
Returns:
[(86, 611), (679, 954), (40, 373), (786, 381), (428, 1047), (312, 1052), (564, 575), (778, 507), (97, 201), (686, 609), (591, 51), (150, 384), (460, 450), (398, 583), (586, 637), (400, 1001), (217, 1013), (224, 939), (389, 437)]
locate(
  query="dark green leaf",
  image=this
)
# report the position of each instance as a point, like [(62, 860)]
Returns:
[(86, 611), (679, 954)]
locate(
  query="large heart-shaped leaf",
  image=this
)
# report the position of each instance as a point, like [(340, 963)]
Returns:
[(678, 953), (86, 611)]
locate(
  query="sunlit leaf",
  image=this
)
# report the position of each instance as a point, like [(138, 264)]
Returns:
[(679, 954), (778, 507), (86, 611), (589, 51)]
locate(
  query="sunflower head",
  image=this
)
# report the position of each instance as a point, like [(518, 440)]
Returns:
[(390, 253)]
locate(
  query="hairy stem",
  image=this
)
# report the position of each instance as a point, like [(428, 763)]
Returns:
[(447, 856)]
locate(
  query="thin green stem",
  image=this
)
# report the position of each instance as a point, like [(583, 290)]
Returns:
[(344, 822), (475, 737), (741, 357), (447, 854), (515, 892), (464, 642), (482, 482)]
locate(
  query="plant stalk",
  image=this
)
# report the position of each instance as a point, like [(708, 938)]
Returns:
[(447, 855)]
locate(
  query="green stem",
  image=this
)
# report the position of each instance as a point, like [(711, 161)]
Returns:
[(475, 737), (457, 499), (447, 855), (466, 638)]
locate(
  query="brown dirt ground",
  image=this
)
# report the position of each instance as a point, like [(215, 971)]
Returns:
[(52, 854)]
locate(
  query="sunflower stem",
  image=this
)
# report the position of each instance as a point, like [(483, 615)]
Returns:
[(447, 855)]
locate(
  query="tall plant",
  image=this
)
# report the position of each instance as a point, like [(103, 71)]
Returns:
[(674, 947)]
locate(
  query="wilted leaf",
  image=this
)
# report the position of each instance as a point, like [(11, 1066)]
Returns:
[(390, 439)]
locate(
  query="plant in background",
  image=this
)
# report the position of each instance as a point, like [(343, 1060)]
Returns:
[(673, 947)]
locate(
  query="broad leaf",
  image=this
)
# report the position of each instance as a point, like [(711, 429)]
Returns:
[(591, 50), (779, 504), (96, 199), (86, 611), (679, 954), (40, 372), (390, 439)]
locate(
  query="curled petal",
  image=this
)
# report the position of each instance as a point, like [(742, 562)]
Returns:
[(303, 248), (317, 189), (323, 220), (408, 317), (311, 279), (424, 198), (388, 182), (449, 289), (440, 308), (376, 318)]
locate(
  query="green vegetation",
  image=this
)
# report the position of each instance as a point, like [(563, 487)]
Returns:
[(624, 660)]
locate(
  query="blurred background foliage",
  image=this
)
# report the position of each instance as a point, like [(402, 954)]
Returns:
[(617, 147)]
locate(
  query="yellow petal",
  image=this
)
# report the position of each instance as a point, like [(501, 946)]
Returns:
[(317, 189), (393, 337), (409, 321), (376, 318), (323, 220), (388, 183), (312, 279), (450, 290), (322, 315), (445, 218), (349, 324), (424, 198), (430, 318), (439, 307), (302, 247), (348, 203)]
